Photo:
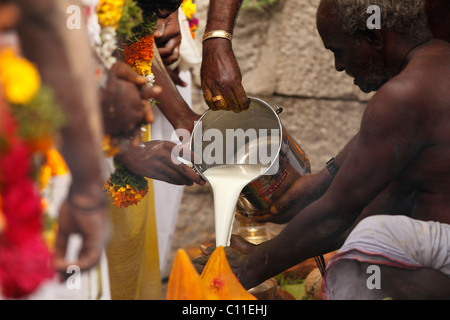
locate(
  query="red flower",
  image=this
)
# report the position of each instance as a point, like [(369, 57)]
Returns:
[(24, 267), (14, 164), (7, 123), (22, 210)]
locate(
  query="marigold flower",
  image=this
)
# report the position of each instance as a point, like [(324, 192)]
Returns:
[(109, 13), (19, 77), (143, 68), (55, 165), (141, 50), (188, 8), (124, 196), (108, 148)]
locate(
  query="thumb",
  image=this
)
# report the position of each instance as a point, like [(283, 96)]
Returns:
[(160, 29), (241, 245), (283, 203)]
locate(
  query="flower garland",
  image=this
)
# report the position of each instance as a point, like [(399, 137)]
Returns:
[(139, 56), (125, 187), (136, 33), (109, 13), (108, 21), (189, 8), (27, 129)]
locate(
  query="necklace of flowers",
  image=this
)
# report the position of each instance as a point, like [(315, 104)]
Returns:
[(27, 129), (135, 32)]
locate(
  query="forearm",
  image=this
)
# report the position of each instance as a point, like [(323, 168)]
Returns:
[(170, 102), (222, 15), (64, 60), (339, 159), (315, 230), (309, 234)]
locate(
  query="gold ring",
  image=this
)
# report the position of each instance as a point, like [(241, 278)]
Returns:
[(216, 98)]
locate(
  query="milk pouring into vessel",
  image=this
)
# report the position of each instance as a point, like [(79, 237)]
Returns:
[(246, 157)]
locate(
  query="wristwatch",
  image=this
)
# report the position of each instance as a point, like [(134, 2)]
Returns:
[(332, 167)]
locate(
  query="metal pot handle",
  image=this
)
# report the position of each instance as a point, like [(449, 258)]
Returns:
[(278, 109)]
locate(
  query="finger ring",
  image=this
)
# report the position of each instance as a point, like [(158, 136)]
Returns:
[(216, 98)]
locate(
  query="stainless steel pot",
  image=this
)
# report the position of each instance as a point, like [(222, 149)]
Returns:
[(246, 139)]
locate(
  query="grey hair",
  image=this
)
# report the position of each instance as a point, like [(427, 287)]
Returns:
[(405, 17)]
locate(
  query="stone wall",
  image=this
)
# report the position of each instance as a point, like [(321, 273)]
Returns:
[(282, 59)]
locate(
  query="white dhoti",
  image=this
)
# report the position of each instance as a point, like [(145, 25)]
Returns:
[(168, 196), (396, 241)]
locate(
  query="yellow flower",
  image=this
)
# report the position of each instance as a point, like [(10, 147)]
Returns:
[(19, 77), (188, 8), (109, 13), (56, 162), (50, 229), (44, 175), (108, 149), (124, 196), (143, 68), (55, 165)]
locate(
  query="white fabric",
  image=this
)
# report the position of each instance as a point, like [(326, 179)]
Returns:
[(168, 197), (397, 241), (190, 56)]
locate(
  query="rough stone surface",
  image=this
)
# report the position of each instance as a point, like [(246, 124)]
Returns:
[(280, 52)]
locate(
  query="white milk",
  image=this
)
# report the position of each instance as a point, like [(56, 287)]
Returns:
[(227, 182)]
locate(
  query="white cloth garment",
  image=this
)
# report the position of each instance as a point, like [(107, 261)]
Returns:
[(168, 197), (397, 241)]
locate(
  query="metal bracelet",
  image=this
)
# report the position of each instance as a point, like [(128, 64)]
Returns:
[(217, 34)]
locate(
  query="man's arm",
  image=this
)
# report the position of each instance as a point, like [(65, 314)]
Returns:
[(303, 191), (170, 102), (220, 72), (64, 60), (371, 165)]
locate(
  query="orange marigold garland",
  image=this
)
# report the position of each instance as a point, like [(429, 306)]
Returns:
[(125, 187), (139, 56), (141, 50)]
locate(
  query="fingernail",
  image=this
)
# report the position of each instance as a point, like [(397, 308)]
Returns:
[(273, 210)]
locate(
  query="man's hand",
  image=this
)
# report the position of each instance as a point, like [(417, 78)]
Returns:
[(220, 72), (125, 103), (300, 194), (153, 159), (168, 38), (221, 77), (237, 251), (91, 223)]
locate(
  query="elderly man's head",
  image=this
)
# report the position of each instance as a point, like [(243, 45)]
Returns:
[(371, 55)]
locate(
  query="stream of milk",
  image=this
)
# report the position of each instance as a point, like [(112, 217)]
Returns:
[(227, 182)]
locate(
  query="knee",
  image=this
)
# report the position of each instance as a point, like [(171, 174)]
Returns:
[(354, 280)]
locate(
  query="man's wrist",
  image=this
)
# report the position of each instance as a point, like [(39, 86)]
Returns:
[(332, 167), (217, 34)]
